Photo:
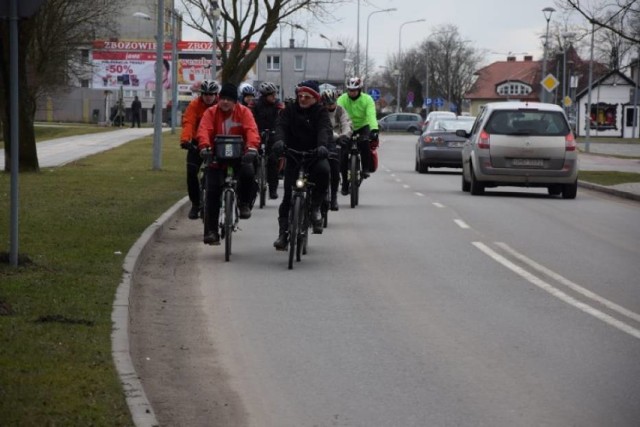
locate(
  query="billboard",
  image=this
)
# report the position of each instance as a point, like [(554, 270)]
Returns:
[(131, 64)]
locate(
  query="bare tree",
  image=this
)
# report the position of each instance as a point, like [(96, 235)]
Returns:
[(50, 56), (244, 22), (619, 16)]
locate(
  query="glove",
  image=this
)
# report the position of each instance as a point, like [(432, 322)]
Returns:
[(185, 144), (205, 152), (250, 156), (373, 135), (322, 152), (278, 148), (344, 141)]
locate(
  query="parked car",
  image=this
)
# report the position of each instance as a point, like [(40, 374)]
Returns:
[(404, 122), (520, 144), (439, 146), (436, 114)]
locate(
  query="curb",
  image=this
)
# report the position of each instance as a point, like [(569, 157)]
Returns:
[(609, 190), (139, 406)]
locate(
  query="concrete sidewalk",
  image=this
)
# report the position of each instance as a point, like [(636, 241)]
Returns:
[(612, 156), (60, 151)]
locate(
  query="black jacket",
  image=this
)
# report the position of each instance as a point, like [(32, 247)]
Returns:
[(266, 114), (303, 129)]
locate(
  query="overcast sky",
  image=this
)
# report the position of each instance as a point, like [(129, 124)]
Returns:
[(495, 25)]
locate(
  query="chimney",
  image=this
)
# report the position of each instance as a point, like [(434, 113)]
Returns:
[(292, 43), (528, 58), (511, 59)]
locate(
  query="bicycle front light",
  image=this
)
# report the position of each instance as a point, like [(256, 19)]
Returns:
[(299, 183)]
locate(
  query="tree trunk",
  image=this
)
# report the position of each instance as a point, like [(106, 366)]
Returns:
[(27, 154)]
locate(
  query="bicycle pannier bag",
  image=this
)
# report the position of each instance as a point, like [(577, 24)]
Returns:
[(229, 147)]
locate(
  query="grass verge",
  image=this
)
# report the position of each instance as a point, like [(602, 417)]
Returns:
[(77, 223), (608, 177), (44, 132)]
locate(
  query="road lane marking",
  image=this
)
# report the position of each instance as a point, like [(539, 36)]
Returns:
[(556, 292), (418, 194), (461, 223), (405, 186), (568, 283), (438, 205)]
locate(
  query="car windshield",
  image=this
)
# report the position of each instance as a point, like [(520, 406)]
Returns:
[(527, 122), (450, 125)]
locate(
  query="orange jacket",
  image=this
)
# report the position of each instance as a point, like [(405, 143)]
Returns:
[(191, 119), (239, 121)]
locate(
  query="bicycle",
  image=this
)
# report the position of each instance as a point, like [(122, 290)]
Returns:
[(228, 149), (300, 212), (261, 173), (354, 171), (326, 203)]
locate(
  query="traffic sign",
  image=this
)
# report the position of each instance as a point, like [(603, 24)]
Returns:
[(427, 102), (567, 101), (375, 94), (439, 102), (410, 96), (550, 82)]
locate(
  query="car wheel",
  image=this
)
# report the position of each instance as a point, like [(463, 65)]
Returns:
[(413, 130), (417, 165), (466, 185), (476, 188), (569, 191), (422, 167), (554, 190)]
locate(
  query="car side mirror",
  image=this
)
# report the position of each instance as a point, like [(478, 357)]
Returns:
[(462, 133)]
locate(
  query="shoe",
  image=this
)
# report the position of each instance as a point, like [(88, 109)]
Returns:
[(245, 212), (316, 220), (194, 212), (273, 193), (334, 204), (345, 190), (281, 242), (213, 238), (365, 175)]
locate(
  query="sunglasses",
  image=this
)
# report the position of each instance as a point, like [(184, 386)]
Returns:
[(305, 96), (208, 94)]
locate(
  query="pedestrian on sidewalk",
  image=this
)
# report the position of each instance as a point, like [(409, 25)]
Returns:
[(136, 110)]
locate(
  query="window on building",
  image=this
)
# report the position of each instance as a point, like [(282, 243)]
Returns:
[(273, 62), (298, 63), (84, 55), (84, 83), (513, 88)]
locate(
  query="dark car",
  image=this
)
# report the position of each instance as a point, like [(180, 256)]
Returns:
[(403, 122), (439, 146)]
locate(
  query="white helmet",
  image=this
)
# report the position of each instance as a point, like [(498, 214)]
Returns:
[(329, 96), (267, 88), (354, 83)]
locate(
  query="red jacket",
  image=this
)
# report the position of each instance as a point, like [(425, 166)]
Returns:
[(238, 121), (191, 119)]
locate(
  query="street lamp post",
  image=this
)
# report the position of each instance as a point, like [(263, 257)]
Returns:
[(174, 74), (366, 49), (330, 51), (400, 59), (547, 11), (215, 15), (565, 36), (306, 48), (157, 122), (587, 141)]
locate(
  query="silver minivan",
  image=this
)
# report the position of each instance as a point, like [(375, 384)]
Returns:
[(522, 144)]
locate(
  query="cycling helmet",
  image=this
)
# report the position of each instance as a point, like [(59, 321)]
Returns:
[(354, 83), (209, 86), (329, 96), (247, 90), (267, 88)]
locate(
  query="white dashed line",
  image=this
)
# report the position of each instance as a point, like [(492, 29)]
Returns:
[(418, 194), (438, 205), (405, 186), (461, 223)]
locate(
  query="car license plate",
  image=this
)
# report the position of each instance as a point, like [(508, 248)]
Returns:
[(531, 163), (456, 144)]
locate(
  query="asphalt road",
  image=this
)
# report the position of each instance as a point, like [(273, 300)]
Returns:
[(424, 306)]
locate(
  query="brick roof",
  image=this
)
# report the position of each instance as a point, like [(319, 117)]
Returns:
[(492, 75)]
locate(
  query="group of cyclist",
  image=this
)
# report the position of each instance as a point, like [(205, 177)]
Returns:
[(323, 121)]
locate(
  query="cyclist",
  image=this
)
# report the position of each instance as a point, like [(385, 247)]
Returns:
[(362, 111), (303, 125), (190, 121), (228, 117), (266, 110), (340, 134), (247, 95)]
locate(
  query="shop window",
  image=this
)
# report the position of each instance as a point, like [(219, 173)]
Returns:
[(604, 116)]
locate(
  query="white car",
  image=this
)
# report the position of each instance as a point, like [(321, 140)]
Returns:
[(522, 144)]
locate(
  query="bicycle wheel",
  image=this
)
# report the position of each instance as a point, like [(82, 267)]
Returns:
[(303, 230), (229, 202), (204, 210), (262, 180), (353, 179), (294, 226)]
